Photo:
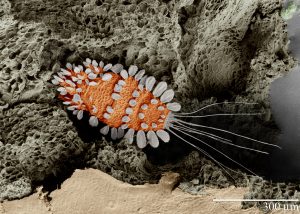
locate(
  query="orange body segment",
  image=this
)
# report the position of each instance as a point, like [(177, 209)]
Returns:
[(96, 98)]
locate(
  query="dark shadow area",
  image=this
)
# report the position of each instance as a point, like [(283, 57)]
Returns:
[(87, 133), (285, 105), (168, 153), (53, 182), (285, 102)]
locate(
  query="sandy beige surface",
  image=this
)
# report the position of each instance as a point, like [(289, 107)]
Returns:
[(92, 191)]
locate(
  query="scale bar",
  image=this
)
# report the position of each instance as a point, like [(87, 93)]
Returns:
[(255, 200)]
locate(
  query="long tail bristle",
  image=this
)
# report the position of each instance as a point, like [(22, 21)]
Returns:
[(226, 156), (225, 131), (206, 154), (224, 142), (222, 114), (215, 104)]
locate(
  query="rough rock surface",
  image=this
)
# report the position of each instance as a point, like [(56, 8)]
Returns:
[(231, 49), (38, 141), (217, 45)]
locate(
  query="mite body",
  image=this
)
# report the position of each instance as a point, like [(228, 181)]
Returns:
[(137, 107), (128, 102)]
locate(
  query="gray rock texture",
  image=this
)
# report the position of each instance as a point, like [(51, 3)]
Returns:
[(229, 49), (38, 141)]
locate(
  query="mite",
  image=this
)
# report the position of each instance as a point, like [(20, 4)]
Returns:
[(134, 106)]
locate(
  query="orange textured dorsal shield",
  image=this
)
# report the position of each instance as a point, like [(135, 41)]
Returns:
[(123, 100)]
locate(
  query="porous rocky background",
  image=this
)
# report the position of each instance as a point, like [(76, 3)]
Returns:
[(207, 50)]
